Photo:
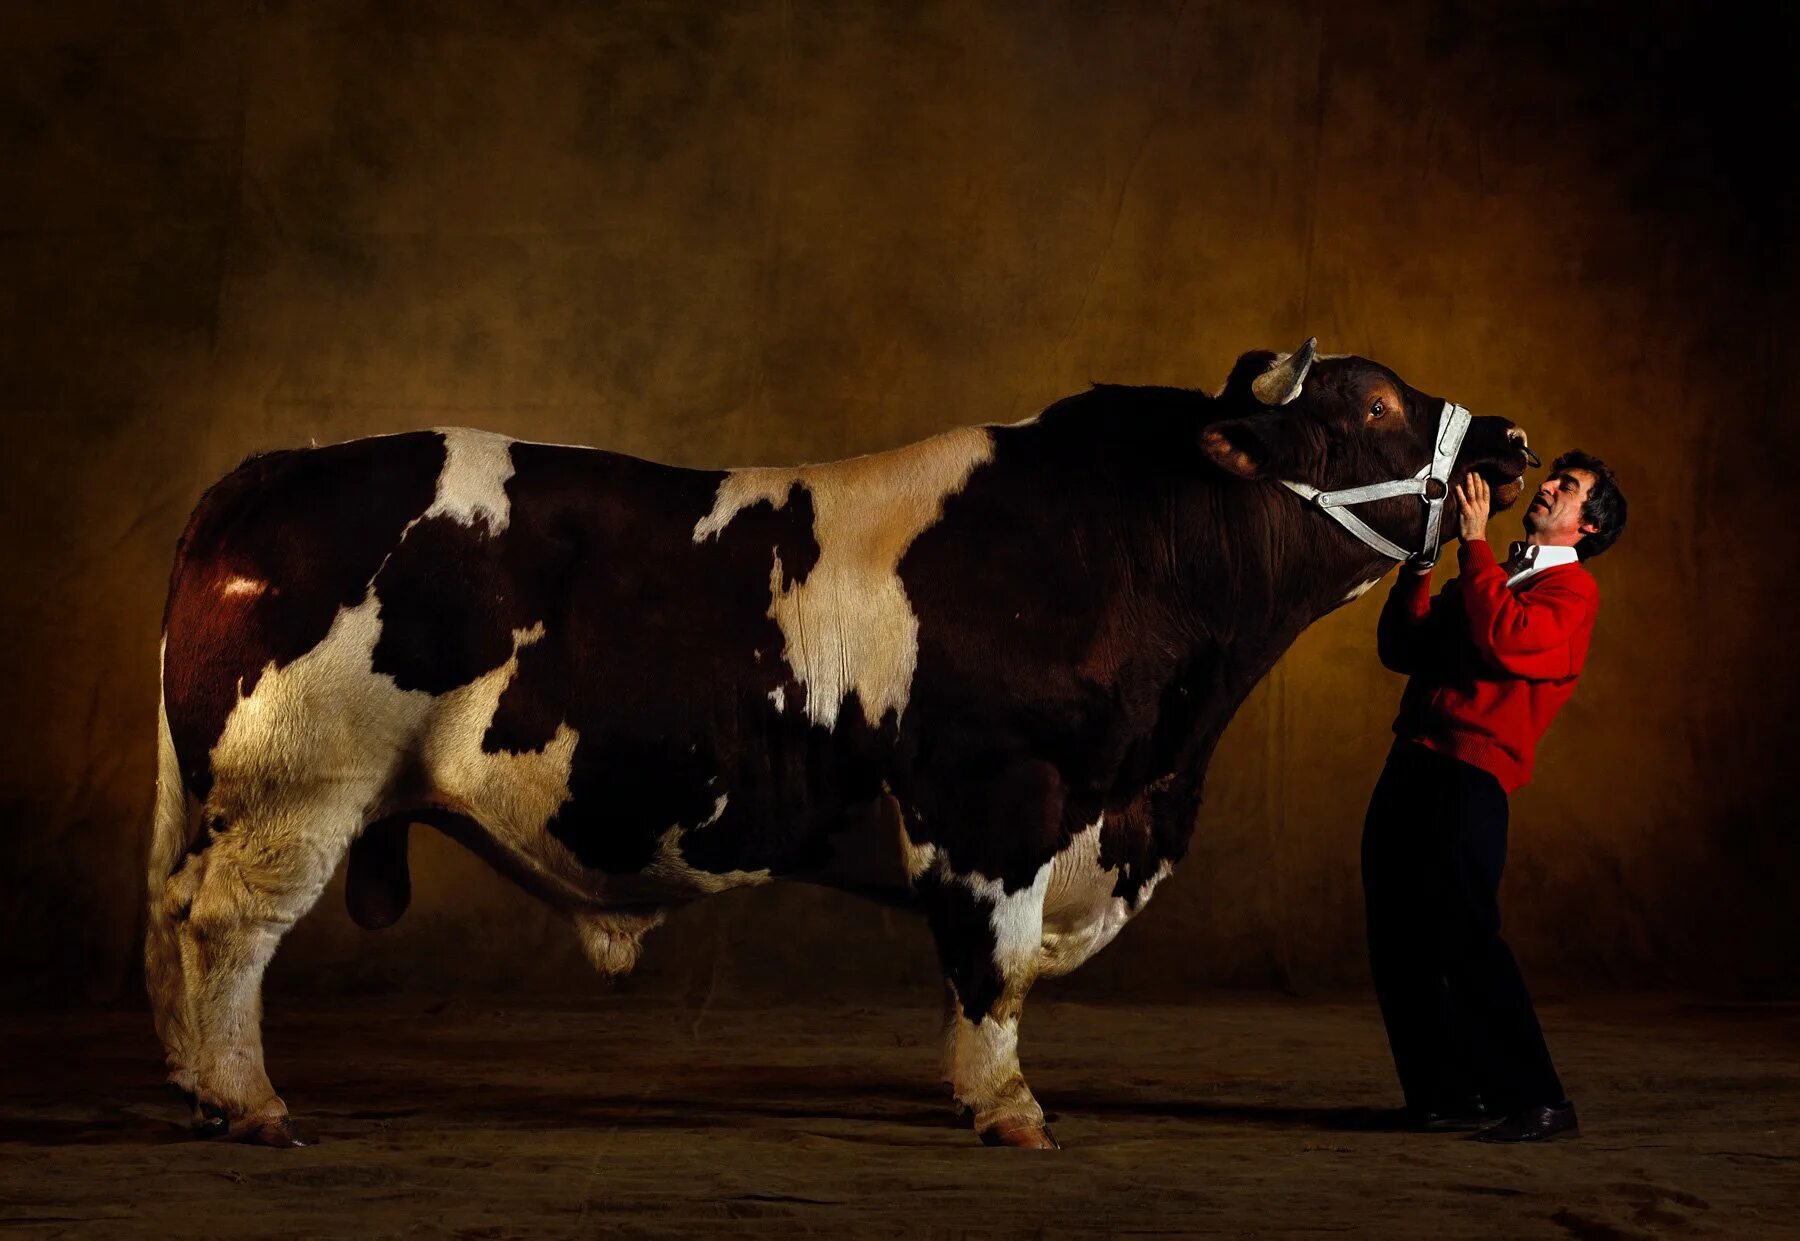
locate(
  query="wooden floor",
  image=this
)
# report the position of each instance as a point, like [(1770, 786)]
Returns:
[(631, 1116)]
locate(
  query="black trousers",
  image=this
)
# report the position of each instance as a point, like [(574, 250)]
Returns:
[(1459, 1019)]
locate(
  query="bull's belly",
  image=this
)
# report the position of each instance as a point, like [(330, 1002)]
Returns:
[(514, 800), (410, 752), (516, 823), (865, 852), (522, 805)]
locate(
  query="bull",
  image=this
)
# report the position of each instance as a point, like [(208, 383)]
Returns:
[(983, 674)]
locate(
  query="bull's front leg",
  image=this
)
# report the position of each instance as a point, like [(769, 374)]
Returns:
[(988, 942)]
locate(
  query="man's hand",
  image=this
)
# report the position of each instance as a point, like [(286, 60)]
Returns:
[(1472, 507)]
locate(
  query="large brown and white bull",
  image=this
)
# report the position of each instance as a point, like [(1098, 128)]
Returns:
[(985, 671)]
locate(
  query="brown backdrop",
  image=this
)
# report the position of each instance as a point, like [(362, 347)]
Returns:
[(739, 233)]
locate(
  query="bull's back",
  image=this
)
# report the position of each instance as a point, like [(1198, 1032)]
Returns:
[(558, 642)]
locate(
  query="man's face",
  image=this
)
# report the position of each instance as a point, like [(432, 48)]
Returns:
[(1554, 514)]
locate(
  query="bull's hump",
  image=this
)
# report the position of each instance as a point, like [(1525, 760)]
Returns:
[(847, 624)]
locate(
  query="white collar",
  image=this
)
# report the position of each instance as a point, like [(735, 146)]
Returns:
[(1528, 558)]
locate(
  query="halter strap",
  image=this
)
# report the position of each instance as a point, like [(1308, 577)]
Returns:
[(1453, 426)]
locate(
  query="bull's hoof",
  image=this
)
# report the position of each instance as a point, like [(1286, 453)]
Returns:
[(1020, 1135), (278, 1131), (268, 1125)]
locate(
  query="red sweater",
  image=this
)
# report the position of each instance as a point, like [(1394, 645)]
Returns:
[(1490, 666)]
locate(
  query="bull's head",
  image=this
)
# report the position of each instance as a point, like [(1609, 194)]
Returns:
[(1335, 423)]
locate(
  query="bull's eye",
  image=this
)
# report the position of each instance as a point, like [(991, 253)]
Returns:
[(1378, 408)]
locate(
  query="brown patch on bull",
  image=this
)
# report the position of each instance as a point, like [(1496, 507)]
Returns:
[(443, 568), (1125, 836)]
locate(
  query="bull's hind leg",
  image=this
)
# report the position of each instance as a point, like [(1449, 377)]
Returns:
[(256, 874), (988, 942)]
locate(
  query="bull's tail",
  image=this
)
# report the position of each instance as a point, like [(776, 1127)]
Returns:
[(172, 828)]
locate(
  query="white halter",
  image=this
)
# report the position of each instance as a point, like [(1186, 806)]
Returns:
[(1453, 424)]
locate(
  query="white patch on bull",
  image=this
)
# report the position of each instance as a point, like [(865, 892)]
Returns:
[(322, 740), (303, 759), (1357, 592), (739, 489), (670, 868), (1017, 920), (512, 795), (242, 587), (325, 718), (849, 626), (917, 859), (1081, 914), (778, 696), (473, 481)]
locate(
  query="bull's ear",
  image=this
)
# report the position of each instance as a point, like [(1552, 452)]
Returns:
[(1246, 447)]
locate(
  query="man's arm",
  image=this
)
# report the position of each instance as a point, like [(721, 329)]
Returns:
[(1405, 620)]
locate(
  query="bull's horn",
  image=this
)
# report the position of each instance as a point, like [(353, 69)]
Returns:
[(1281, 382)]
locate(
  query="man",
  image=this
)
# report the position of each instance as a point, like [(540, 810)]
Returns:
[(1491, 659)]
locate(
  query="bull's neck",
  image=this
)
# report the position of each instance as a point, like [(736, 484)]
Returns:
[(1255, 566), (1247, 585), (1228, 570), (1202, 581)]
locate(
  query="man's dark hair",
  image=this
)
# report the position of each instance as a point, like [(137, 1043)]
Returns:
[(1604, 507)]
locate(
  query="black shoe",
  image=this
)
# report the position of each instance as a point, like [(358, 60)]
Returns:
[(1461, 1120), (1466, 1116), (1534, 1124)]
